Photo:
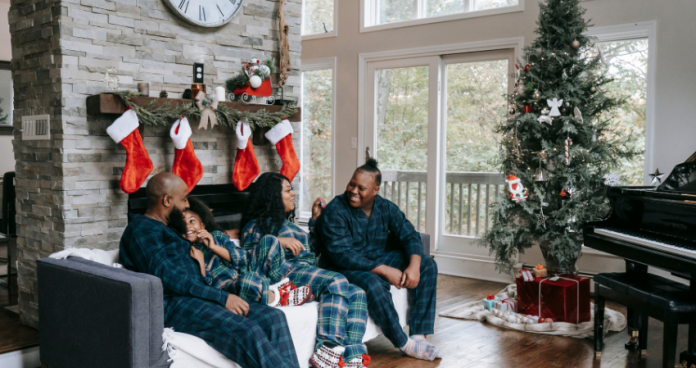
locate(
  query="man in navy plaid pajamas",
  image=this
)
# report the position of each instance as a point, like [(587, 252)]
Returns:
[(252, 335), (353, 231)]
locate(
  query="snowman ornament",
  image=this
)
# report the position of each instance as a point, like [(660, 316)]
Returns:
[(518, 193)]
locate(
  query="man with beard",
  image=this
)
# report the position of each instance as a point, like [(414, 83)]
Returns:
[(250, 335), (353, 231)]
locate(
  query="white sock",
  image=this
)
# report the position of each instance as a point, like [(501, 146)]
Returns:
[(420, 349)]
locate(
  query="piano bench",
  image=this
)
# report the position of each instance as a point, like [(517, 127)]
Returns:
[(651, 296)]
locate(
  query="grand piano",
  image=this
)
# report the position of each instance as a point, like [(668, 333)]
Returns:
[(652, 226)]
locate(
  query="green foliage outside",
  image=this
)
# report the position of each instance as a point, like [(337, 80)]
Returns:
[(516, 226), (3, 116), (317, 14), (316, 134)]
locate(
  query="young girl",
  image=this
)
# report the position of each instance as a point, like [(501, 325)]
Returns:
[(342, 306), (244, 273)]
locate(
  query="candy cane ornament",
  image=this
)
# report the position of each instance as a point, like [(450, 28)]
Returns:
[(568, 143)]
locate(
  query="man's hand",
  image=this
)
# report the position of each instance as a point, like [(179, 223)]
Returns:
[(317, 207), (293, 244), (236, 305), (392, 275), (411, 276)]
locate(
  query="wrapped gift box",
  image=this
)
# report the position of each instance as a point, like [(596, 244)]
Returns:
[(506, 305), (489, 302), (565, 298), (540, 271)]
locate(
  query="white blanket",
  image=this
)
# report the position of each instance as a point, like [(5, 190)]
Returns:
[(188, 351), (613, 320)]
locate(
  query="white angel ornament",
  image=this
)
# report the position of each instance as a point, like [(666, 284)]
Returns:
[(554, 105)]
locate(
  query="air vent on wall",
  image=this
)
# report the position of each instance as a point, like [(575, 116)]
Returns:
[(36, 127)]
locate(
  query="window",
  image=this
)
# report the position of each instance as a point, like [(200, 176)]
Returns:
[(627, 62), (400, 13), (6, 94), (317, 135), (318, 18)]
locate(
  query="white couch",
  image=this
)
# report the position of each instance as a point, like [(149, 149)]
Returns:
[(188, 351)]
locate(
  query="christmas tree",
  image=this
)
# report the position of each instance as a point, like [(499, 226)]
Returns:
[(557, 143)]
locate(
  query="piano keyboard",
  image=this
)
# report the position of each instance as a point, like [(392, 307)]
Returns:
[(639, 238)]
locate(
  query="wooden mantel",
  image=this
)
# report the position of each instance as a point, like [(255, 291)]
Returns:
[(107, 103)]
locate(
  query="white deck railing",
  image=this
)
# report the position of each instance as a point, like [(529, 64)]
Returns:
[(468, 198)]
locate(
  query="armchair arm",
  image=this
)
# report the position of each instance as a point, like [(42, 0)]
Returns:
[(92, 315), (425, 239)]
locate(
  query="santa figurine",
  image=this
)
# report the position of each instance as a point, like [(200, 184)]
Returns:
[(518, 193)]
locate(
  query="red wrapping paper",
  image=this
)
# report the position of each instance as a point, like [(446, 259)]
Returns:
[(559, 299)]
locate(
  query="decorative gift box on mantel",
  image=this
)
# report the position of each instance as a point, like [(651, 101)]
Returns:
[(563, 298)]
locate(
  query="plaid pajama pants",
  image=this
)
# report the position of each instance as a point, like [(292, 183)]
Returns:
[(259, 340), (421, 300), (342, 309)]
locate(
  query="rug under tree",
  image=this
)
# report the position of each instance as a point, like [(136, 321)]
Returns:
[(474, 310)]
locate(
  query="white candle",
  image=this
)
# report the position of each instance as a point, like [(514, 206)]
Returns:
[(220, 93)]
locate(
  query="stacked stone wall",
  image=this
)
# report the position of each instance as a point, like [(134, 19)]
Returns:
[(67, 187)]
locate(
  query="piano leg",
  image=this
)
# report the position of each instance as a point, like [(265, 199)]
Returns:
[(598, 323), (643, 336), (633, 318), (669, 340)]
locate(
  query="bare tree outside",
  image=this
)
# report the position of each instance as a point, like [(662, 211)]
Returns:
[(318, 16)]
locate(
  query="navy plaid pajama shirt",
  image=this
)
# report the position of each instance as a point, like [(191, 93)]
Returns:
[(354, 244), (342, 306), (261, 339)]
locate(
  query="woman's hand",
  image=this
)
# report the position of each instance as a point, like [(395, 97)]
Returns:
[(206, 238), (317, 207), (294, 245)]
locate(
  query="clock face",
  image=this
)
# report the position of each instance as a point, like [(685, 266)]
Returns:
[(205, 13)]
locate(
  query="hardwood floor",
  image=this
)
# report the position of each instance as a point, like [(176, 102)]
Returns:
[(13, 334), (472, 344), (464, 344)]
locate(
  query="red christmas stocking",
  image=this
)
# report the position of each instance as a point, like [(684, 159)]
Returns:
[(186, 164), (138, 164), (281, 136), (246, 168)]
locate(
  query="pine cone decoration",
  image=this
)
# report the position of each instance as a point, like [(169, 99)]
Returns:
[(164, 94)]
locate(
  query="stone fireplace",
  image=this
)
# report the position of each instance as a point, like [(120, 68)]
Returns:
[(67, 187)]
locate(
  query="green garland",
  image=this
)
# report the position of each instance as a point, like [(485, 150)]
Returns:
[(166, 113)]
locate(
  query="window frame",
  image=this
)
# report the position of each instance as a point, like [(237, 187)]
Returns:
[(332, 33), (636, 31), (368, 15), (312, 65), (6, 129)]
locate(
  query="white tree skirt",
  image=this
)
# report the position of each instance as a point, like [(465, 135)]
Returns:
[(613, 320)]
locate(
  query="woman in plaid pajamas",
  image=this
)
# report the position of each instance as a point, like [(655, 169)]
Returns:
[(342, 306)]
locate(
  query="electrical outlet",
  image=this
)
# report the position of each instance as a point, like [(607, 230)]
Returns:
[(354, 143)]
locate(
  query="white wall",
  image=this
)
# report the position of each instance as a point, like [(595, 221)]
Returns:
[(5, 47), (675, 78)]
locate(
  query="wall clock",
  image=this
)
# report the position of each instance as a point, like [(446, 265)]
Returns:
[(205, 13)]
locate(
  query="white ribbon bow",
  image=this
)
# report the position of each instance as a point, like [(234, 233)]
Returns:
[(207, 112)]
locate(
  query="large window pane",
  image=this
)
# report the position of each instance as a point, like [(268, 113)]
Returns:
[(475, 104), (317, 104), (6, 97), (627, 63), (490, 4), (318, 16), (402, 138), (395, 10)]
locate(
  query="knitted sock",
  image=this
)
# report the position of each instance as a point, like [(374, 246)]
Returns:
[(420, 349), (422, 338)]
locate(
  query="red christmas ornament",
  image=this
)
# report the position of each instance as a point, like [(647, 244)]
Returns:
[(527, 109), (527, 67), (565, 194)]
